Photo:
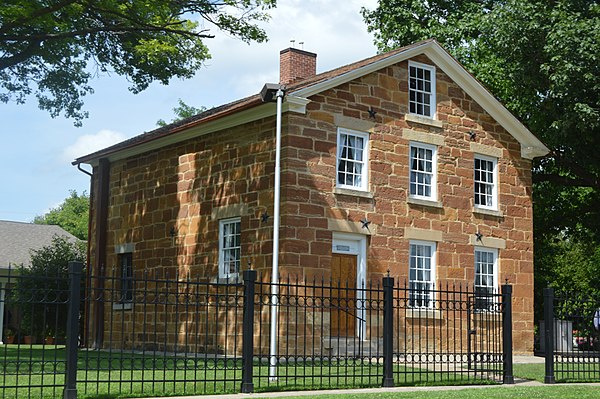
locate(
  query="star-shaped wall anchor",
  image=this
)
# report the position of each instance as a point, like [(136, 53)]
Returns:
[(479, 237), (472, 135), (372, 113), (365, 223), (264, 217)]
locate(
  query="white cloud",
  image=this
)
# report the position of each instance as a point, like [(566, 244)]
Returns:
[(89, 143), (335, 31)]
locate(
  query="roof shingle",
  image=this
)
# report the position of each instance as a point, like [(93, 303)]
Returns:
[(17, 239)]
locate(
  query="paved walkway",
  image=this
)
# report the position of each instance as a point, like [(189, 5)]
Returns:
[(521, 359), (282, 394)]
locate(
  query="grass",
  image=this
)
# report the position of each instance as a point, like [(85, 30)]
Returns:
[(531, 371), (104, 375), (118, 375), (566, 372)]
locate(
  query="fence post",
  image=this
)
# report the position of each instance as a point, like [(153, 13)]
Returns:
[(507, 336), (248, 331), (75, 270), (388, 332), (549, 334)]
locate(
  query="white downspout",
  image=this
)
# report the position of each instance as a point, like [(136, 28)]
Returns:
[(275, 268)]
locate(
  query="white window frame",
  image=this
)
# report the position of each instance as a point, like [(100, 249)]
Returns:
[(493, 196), (478, 283), (413, 278), (364, 163), (416, 66), (225, 248), (433, 173)]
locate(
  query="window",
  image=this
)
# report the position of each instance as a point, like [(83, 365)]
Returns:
[(486, 278), (229, 247), (126, 277), (485, 182), (421, 274), (352, 160), (423, 171), (421, 89)]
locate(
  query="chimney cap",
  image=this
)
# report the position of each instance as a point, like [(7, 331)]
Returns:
[(297, 50)]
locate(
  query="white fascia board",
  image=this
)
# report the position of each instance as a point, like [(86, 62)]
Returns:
[(359, 72), (239, 118), (531, 146)]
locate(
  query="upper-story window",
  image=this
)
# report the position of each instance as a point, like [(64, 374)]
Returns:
[(423, 171), (421, 89), (486, 278), (230, 247), (352, 159), (421, 274), (486, 182)]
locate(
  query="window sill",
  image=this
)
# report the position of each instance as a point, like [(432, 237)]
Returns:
[(423, 202), (122, 306), (424, 314), (423, 120), (488, 212), (353, 193)]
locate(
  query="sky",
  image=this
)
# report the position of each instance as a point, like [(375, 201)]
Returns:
[(36, 151)]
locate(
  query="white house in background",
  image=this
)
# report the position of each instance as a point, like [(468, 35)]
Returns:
[(17, 240)]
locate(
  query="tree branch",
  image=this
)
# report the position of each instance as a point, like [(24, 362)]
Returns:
[(28, 52), (118, 29)]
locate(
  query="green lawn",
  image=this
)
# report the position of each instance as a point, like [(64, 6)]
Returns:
[(568, 372), (102, 374)]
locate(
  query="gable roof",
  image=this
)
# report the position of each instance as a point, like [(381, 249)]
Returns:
[(297, 97), (17, 239)]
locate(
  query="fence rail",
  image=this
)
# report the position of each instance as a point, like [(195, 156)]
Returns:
[(571, 340), (171, 335)]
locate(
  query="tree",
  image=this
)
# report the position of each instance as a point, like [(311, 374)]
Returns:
[(72, 215), (182, 111), (541, 59), (53, 48)]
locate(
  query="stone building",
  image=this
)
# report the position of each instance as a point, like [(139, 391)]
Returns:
[(402, 162)]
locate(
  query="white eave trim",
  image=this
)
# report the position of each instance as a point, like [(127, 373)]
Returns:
[(295, 103), (531, 146), (238, 118)]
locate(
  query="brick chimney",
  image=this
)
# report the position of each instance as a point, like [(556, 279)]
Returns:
[(295, 65)]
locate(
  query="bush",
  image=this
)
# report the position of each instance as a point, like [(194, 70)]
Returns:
[(41, 291)]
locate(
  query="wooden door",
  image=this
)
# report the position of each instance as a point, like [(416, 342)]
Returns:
[(343, 295)]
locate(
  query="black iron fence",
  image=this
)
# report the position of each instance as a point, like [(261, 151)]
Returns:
[(173, 335), (34, 310), (571, 340)]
